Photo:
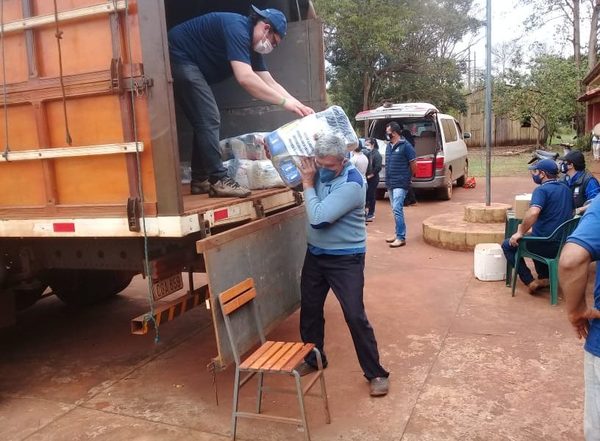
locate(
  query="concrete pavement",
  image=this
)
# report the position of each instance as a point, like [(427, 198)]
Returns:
[(467, 360)]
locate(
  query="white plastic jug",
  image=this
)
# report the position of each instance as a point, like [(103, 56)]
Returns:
[(489, 262)]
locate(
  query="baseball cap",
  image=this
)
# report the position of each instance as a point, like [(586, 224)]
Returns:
[(576, 157), (275, 18), (545, 165)]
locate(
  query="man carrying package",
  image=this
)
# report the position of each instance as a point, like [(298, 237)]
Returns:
[(211, 48), (334, 194)]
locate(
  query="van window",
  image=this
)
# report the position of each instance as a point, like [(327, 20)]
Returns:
[(449, 129)]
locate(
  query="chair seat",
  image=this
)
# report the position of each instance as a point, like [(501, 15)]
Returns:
[(276, 356)]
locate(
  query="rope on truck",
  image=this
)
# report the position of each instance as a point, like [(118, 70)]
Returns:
[(4, 92), (150, 317), (58, 34)]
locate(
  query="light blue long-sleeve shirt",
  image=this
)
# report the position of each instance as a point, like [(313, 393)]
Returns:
[(336, 214)]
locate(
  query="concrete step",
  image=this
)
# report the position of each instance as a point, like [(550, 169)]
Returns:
[(451, 231), (480, 213)]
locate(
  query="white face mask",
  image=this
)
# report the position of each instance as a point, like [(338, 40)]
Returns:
[(264, 46)]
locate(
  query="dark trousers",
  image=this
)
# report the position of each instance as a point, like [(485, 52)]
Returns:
[(543, 249), (345, 276), (411, 198), (198, 103), (371, 194)]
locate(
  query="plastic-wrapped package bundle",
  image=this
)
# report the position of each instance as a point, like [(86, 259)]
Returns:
[(247, 146), (264, 175), (297, 139), (240, 170)]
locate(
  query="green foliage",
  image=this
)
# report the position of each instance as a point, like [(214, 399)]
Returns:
[(394, 50), (584, 143), (546, 94)]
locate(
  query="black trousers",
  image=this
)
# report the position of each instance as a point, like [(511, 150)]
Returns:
[(345, 276), (372, 194)]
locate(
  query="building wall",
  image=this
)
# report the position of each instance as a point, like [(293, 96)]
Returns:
[(504, 130)]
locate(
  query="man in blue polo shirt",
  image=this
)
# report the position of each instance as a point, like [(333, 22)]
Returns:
[(583, 247), (211, 48), (551, 205), (334, 194), (400, 167)]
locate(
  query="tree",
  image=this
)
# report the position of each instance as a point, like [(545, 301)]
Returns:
[(545, 96), (400, 50)]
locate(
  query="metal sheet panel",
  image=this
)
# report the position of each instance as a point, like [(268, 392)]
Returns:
[(273, 256)]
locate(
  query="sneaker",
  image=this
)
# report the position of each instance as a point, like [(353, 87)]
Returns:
[(397, 243), (390, 239), (304, 369), (370, 218), (379, 386), (199, 187), (228, 188)]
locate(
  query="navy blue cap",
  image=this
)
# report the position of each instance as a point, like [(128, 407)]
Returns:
[(275, 17), (546, 165)]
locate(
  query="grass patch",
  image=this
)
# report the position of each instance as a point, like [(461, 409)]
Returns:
[(502, 165)]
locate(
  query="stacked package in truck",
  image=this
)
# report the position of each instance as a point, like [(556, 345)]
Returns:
[(297, 139)]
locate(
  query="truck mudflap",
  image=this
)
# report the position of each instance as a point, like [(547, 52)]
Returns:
[(271, 251)]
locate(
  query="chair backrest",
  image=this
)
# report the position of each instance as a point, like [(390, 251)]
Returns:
[(564, 230), (233, 301)]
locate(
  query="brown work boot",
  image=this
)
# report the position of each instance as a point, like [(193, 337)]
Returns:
[(228, 188), (397, 243), (390, 239), (379, 386), (199, 187), (538, 284)]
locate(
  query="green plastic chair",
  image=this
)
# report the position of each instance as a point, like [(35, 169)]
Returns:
[(559, 235)]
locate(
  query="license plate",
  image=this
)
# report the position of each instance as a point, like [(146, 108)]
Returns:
[(167, 286)]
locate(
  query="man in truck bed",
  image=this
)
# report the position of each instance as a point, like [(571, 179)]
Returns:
[(208, 49)]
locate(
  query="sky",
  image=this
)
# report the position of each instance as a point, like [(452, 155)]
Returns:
[(507, 25)]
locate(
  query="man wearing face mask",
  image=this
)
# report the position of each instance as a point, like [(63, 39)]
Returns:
[(551, 205), (209, 49), (584, 186), (400, 167), (334, 194)]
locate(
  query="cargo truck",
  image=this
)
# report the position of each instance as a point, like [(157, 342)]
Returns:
[(91, 146)]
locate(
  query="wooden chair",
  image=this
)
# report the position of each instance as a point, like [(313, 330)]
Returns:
[(560, 236), (270, 358)]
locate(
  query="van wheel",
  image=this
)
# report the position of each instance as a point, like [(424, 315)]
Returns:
[(445, 192), (461, 181), (86, 287)]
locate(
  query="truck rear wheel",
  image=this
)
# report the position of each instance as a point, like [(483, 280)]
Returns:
[(86, 287)]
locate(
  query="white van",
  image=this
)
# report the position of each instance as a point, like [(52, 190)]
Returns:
[(438, 141)]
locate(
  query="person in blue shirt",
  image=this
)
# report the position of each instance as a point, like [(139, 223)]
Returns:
[(400, 167), (209, 49), (551, 205), (582, 183), (582, 248), (334, 195)]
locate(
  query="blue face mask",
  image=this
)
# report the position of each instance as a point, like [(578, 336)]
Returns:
[(537, 179), (326, 175)]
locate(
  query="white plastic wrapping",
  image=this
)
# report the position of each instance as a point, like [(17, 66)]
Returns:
[(255, 175), (247, 146), (297, 139)]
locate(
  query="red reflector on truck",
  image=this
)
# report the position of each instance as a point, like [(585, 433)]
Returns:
[(65, 227), (221, 214)]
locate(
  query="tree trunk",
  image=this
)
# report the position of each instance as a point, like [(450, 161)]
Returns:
[(576, 34), (367, 83), (593, 41)]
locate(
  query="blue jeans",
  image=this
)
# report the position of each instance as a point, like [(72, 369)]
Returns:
[(198, 103), (397, 196), (591, 412), (543, 249)]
